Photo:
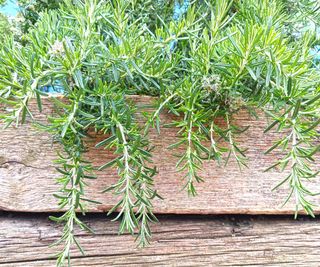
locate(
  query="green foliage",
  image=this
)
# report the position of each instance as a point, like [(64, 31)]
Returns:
[(5, 28), (31, 10), (220, 57), (305, 16), (74, 171)]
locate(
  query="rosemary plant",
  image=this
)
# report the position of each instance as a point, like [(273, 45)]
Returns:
[(202, 60)]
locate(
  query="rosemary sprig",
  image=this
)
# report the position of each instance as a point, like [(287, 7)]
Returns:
[(74, 171), (300, 156), (135, 185)]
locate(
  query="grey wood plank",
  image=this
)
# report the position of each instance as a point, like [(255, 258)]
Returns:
[(177, 241)]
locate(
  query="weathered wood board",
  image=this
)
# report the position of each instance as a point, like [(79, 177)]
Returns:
[(177, 241), (27, 175)]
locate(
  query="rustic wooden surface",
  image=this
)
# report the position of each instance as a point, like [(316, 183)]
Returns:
[(177, 241), (27, 175)]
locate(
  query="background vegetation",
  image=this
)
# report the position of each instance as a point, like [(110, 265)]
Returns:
[(5, 28)]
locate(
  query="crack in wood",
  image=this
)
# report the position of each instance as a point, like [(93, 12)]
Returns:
[(4, 165)]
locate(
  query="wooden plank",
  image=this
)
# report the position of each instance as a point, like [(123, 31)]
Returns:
[(177, 241), (27, 175)]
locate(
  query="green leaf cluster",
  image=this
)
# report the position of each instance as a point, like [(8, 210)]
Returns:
[(5, 28)]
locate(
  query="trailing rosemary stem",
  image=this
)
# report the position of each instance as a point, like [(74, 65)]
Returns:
[(129, 220), (237, 153), (135, 186), (74, 172)]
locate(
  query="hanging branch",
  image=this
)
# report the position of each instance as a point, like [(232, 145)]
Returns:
[(74, 170), (135, 185)]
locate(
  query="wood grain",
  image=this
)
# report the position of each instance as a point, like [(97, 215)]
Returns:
[(177, 241), (27, 175)]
